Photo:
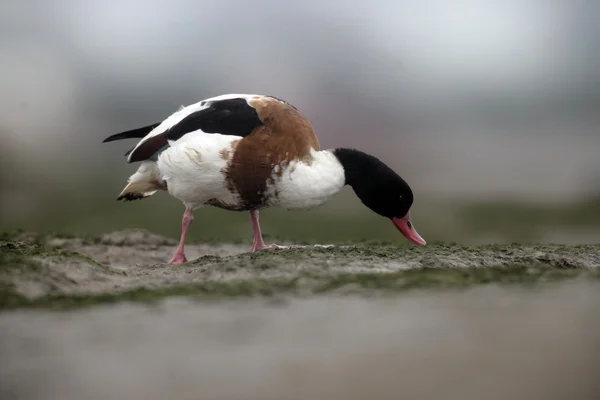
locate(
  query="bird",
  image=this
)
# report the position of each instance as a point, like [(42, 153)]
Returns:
[(249, 152)]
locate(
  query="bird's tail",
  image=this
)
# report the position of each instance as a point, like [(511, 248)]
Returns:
[(144, 183)]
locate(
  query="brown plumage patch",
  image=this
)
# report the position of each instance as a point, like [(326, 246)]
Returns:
[(285, 136), (221, 204), (159, 183), (224, 154)]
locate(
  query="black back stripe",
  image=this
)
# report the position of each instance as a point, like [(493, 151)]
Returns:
[(227, 117)]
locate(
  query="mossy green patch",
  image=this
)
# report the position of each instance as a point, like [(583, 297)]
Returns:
[(17, 253), (437, 278), (10, 299), (206, 291)]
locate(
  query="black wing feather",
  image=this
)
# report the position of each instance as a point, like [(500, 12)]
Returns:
[(227, 117), (134, 133)]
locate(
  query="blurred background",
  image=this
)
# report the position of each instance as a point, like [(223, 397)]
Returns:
[(489, 109)]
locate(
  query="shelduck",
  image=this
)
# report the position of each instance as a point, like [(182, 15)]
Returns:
[(244, 152)]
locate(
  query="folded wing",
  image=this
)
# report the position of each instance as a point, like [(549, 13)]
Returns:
[(225, 115)]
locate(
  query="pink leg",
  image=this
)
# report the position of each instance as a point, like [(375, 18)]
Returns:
[(188, 218), (259, 243)]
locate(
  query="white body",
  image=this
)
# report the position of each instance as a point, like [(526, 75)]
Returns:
[(193, 169)]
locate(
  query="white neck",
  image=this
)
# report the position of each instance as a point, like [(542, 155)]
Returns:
[(304, 185)]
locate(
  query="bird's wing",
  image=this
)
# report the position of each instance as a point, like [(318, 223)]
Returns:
[(225, 115)]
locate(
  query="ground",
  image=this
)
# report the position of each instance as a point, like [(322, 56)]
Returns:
[(105, 317)]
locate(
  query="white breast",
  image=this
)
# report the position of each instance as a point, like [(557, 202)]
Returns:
[(306, 185), (194, 169)]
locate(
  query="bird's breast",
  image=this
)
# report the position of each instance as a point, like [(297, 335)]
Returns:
[(305, 184)]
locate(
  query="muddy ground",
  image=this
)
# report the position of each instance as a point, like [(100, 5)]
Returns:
[(105, 318)]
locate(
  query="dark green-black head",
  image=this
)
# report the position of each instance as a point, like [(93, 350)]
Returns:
[(380, 189)]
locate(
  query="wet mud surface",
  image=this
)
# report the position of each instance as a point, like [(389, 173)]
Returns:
[(106, 318), (49, 267)]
